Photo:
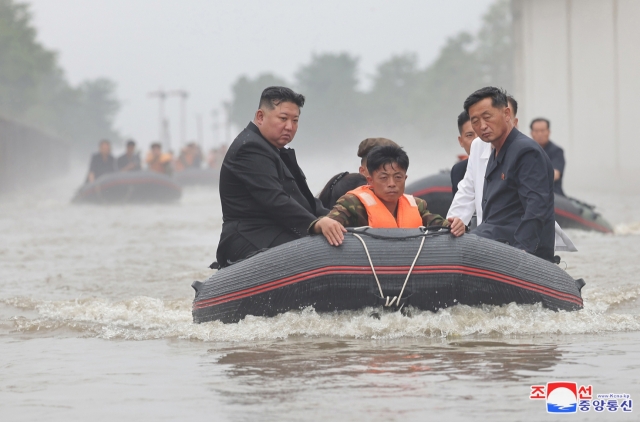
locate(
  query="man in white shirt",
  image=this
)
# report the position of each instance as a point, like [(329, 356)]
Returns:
[(466, 202)]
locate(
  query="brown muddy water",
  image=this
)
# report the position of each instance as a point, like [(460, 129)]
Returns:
[(95, 324)]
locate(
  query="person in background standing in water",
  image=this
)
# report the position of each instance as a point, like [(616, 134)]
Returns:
[(540, 133), (102, 162), (517, 199), (157, 160), (130, 160), (467, 135), (263, 192)]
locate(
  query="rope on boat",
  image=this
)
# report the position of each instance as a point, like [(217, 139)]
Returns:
[(396, 299)]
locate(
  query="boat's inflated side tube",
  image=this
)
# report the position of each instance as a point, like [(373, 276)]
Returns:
[(448, 271)]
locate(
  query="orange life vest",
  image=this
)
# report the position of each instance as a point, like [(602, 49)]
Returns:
[(379, 215)]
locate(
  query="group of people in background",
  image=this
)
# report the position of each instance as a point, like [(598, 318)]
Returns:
[(157, 160)]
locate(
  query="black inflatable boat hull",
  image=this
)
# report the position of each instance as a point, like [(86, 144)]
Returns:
[(570, 213), (197, 177), (130, 187), (309, 272)]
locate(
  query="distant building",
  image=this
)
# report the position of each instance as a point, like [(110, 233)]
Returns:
[(578, 64)]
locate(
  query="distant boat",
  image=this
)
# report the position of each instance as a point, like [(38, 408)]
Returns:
[(570, 213), (130, 187)]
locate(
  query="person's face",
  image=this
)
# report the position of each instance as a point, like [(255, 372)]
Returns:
[(105, 148), (279, 125), (156, 151), (131, 149), (488, 122), (540, 133), (466, 137), (388, 183)]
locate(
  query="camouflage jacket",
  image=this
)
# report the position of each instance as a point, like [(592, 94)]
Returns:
[(350, 212)]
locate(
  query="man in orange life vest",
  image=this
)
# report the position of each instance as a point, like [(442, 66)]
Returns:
[(382, 203)]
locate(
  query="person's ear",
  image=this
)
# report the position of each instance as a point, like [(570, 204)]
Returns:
[(361, 171), (259, 118), (370, 180), (460, 141)]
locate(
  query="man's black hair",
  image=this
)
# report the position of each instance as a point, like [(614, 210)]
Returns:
[(156, 145), (104, 141), (540, 119), (274, 95), (383, 155), (131, 143), (514, 105), (498, 97), (462, 119)]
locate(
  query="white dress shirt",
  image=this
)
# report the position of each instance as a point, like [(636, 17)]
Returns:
[(466, 202)]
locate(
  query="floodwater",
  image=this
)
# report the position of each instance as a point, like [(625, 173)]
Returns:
[(95, 324)]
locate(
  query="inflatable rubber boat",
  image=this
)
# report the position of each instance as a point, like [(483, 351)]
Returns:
[(570, 213), (197, 177), (130, 187), (574, 214), (392, 268)]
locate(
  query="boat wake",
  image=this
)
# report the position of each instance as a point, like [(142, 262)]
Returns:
[(143, 318)]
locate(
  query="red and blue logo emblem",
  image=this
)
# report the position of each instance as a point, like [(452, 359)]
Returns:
[(562, 397)]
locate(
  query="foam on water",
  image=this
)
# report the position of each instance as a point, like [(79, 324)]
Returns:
[(143, 318), (625, 229)]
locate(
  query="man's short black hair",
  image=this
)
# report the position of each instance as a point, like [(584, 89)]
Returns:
[(383, 155), (104, 141), (156, 145), (462, 119), (514, 105), (540, 119), (131, 143), (274, 95), (498, 97)]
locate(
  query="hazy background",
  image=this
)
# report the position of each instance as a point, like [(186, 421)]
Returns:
[(205, 46)]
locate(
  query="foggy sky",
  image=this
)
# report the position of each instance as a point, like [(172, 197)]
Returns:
[(204, 45)]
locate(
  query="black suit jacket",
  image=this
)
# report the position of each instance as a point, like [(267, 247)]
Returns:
[(457, 174), (263, 192), (518, 199)]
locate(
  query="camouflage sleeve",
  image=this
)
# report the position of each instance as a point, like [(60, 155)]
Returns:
[(347, 211), (429, 219)]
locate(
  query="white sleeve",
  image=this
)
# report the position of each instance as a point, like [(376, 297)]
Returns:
[(464, 205)]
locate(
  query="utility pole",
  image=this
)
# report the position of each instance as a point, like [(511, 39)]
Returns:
[(162, 96), (215, 127), (200, 132), (184, 95)]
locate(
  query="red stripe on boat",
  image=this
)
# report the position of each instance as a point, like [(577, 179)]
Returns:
[(581, 220), (398, 270), (433, 189)]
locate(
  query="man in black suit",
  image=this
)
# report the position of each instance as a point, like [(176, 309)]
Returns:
[(264, 194), (518, 199), (467, 135)]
